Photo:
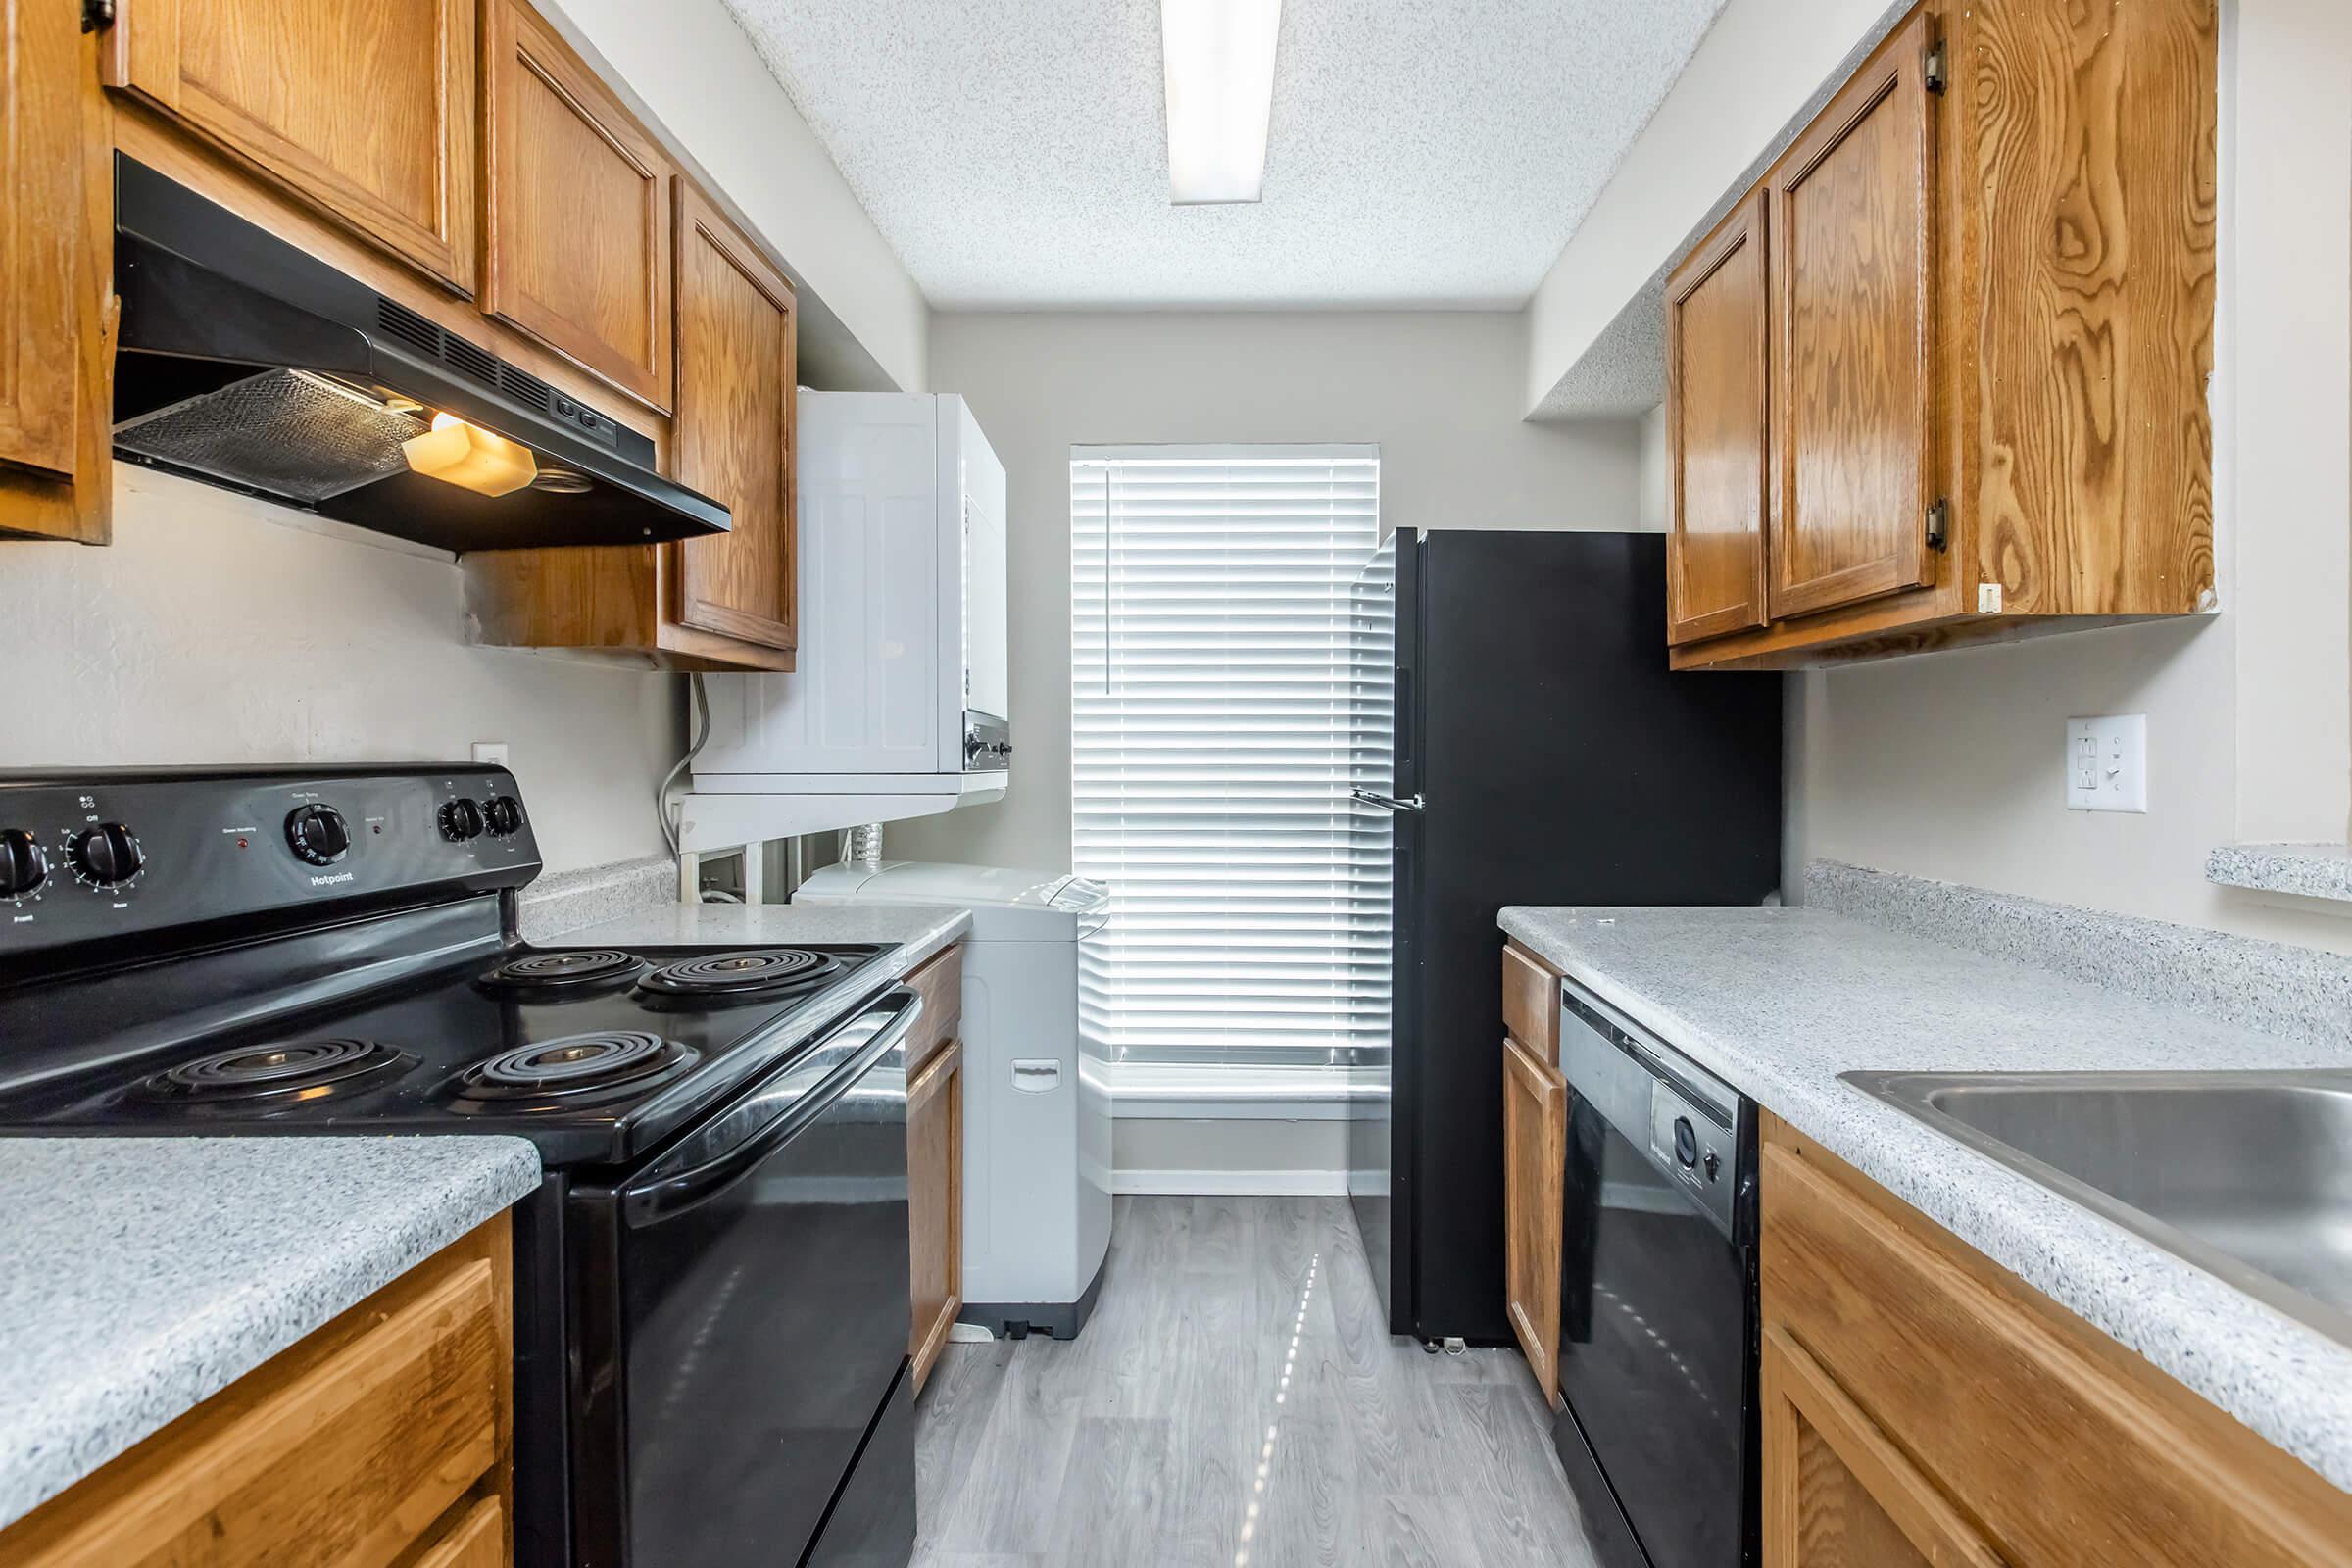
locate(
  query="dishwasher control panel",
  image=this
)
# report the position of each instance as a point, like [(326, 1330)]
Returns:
[(1654, 1095), (1691, 1146)]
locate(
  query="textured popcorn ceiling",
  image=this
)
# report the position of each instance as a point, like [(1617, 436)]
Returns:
[(1422, 153)]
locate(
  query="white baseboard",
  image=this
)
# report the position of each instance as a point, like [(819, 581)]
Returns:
[(1233, 1183)]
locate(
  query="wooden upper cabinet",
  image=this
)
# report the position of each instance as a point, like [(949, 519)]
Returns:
[(56, 281), (579, 248), (363, 110), (1988, 282), (719, 603), (1851, 225), (733, 436), (41, 309), (1718, 361)]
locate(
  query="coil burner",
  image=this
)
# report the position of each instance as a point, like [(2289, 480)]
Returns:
[(742, 975), (575, 1067), (297, 1070), (554, 973)]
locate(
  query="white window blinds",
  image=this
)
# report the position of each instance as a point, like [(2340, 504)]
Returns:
[(1230, 680)]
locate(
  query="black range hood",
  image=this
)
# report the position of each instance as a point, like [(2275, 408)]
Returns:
[(247, 362)]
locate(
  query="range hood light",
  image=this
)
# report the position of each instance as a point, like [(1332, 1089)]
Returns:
[(470, 458), (1217, 58)]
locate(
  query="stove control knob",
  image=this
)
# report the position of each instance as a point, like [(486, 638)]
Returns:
[(106, 855), (318, 834), (23, 865), (1713, 1163), (505, 814), (461, 819)]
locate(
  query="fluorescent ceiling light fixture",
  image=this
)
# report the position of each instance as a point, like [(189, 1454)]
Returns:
[(1218, 59)]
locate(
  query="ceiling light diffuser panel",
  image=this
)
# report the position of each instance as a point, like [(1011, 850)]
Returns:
[(1217, 58)]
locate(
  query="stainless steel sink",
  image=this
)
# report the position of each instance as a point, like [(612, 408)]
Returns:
[(2245, 1174)]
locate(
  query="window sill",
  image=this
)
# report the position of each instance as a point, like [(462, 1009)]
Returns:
[(1152, 1092)]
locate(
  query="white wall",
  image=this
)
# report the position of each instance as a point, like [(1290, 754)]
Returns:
[(221, 629), (1753, 76), (1949, 766), (695, 77), (1438, 391), (1653, 502), (2286, 412), (1230, 1156)]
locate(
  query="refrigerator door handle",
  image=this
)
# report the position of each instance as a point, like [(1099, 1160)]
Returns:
[(1388, 803)]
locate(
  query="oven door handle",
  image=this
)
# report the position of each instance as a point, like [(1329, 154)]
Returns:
[(672, 1194)]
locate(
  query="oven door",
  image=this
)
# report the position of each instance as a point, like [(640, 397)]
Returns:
[(1656, 1293), (751, 1333)]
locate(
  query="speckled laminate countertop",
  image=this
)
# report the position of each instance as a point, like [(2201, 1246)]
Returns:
[(920, 930), (1780, 1002), (140, 1276)]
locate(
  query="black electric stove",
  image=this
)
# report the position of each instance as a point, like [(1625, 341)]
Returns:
[(596, 1055), (711, 1292)]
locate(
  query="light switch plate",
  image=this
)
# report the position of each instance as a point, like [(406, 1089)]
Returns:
[(490, 752), (2107, 763)]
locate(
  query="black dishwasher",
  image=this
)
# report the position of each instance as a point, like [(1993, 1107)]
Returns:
[(1657, 1360)]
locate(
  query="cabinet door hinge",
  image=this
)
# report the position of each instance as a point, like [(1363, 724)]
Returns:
[(97, 15), (1940, 523), (1936, 71)]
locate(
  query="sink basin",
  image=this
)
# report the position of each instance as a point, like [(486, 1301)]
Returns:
[(2245, 1174)]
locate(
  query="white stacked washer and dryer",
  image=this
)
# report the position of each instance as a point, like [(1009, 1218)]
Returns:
[(1036, 1114)]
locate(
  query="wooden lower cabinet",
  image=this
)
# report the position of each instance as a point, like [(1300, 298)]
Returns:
[(1531, 1004), (477, 1541), (1534, 1154), (1837, 1491), (935, 1201), (383, 1439), (1921, 1405), (935, 1159)]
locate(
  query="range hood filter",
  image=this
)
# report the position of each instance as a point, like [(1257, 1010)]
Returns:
[(284, 433)]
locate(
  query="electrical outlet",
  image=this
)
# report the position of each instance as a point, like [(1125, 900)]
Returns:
[(491, 753), (2107, 763)]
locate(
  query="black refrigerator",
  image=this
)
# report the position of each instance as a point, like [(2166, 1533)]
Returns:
[(1540, 753)]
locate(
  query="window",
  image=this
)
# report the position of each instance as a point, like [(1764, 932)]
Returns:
[(1230, 681)]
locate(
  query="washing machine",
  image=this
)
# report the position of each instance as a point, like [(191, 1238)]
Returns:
[(1037, 1115)]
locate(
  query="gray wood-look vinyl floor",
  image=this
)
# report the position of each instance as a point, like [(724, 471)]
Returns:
[(1236, 1401)]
